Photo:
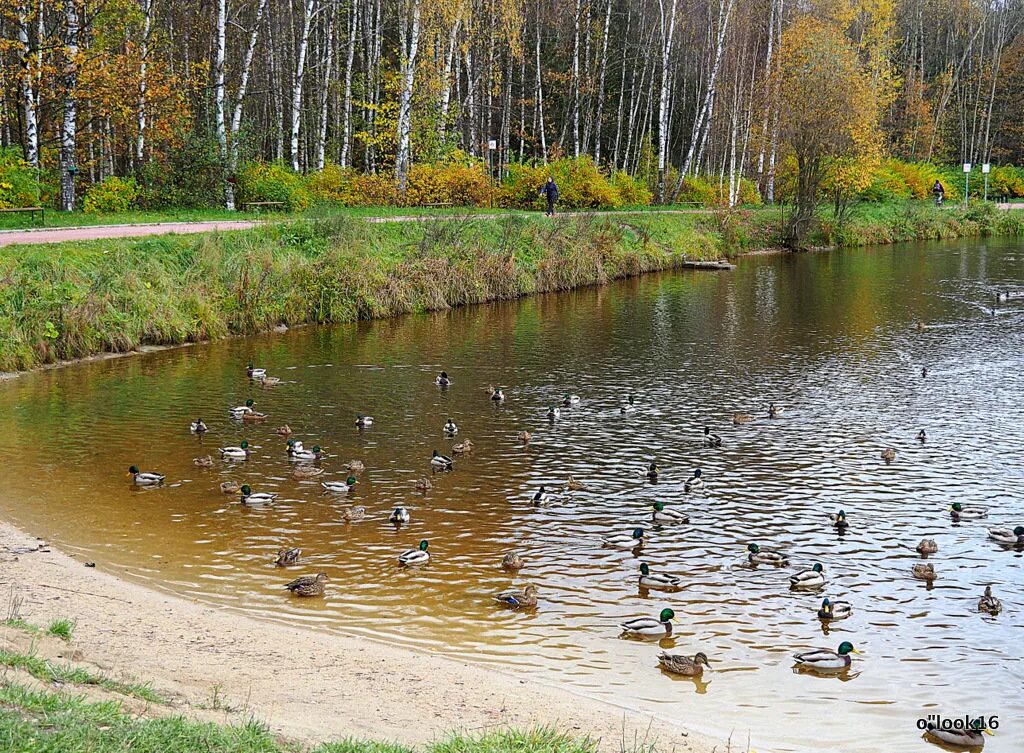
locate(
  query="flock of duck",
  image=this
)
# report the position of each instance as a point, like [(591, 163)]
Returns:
[(820, 660)]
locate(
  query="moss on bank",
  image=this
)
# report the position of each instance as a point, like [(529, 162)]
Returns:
[(71, 300)]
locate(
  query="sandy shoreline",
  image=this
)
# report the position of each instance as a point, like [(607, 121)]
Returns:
[(307, 686)]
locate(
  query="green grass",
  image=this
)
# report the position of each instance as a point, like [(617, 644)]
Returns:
[(62, 629), (47, 671), (47, 722)]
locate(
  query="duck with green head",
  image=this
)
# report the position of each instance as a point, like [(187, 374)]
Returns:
[(253, 373), (812, 578), (658, 581), (648, 627), (1004, 535), (839, 521), (251, 498), (634, 540), (959, 511), (306, 456), (629, 406), (757, 555), (340, 487), (418, 556), (695, 482), (241, 410), (662, 515), (834, 610), (241, 452), (141, 478), (825, 660)]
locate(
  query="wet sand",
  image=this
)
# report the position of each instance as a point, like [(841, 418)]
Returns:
[(306, 685)]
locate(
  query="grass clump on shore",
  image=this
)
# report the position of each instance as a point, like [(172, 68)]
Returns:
[(47, 671), (34, 721), (62, 628), (77, 299)]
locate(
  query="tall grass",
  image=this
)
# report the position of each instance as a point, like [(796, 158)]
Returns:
[(77, 299)]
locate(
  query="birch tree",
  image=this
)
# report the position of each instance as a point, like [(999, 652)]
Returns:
[(69, 127), (410, 43), (299, 78)]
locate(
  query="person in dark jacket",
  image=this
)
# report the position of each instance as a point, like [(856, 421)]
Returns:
[(550, 190), (939, 191)]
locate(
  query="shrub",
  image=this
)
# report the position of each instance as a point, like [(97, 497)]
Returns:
[(459, 184), (919, 177), (113, 194), (748, 192), (1006, 180), (581, 185), (631, 192), (272, 181), (19, 184), (188, 176), (887, 185), (699, 189)]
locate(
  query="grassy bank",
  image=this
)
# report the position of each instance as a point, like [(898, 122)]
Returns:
[(76, 299)]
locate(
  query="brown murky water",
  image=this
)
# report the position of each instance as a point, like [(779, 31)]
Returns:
[(832, 337)]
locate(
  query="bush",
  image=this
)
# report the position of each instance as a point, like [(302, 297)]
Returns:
[(272, 181), (887, 184), (459, 184), (631, 192), (699, 189), (190, 176), (111, 195), (581, 185), (19, 184), (1006, 180), (919, 177)]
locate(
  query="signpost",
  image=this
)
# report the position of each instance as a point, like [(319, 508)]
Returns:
[(967, 182), (984, 169)]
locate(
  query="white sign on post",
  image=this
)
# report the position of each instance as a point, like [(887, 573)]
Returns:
[(986, 167), (492, 144), (967, 167)]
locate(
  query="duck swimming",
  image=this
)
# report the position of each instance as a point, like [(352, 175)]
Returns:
[(759, 556), (241, 410), (629, 405), (813, 578), (541, 497), (340, 487), (140, 478), (658, 581), (634, 540), (512, 561), (286, 557), (684, 665), (824, 660), (450, 428), (229, 487), (666, 516), (198, 426), (308, 585), (363, 421), (921, 436), (418, 556), (649, 627), (960, 512), (888, 454), (443, 380), (570, 400), (1006, 536), (518, 599), (440, 462), (709, 439), (653, 471), (254, 373), (304, 455), (839, 521), (302, 471), (498, 395), (553, 412), (399, 515), (773, 410), (834, 610), (695, 482), (463, 448), (250, 498), (924, 572), (235, 453), (204, 462), (352, 514), (962, 738), (927, 546)]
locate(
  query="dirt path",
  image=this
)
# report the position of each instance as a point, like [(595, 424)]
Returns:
[(308, 686)]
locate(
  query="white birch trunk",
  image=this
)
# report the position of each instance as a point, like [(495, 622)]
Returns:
[(763, 149), (449, 65), (410, 46), (28, 97), (300, 74), (346, 137), (321, 138), (703, 120), (540, 98), (575, 82), (69, 128), (147, 23), (667, 38), (218, 96), (600, 83), (243, 86)]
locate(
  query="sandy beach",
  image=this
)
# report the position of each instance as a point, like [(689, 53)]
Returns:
[(307, 686)]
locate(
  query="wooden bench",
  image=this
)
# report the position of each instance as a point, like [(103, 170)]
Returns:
[(29, 210), (438, 204), (260, 205)]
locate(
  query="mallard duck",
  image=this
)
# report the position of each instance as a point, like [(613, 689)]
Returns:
[(440, 462), (241, 410), (140, 478), (648, 626), (286, 557), (204, 462), (813, 578), (834, 610), (1006, 536), (424, 484), (443, 380), (960, 512), (269, 381), (925, 572), (235, 453), (628, 406), (497, 395), (888, 454), (574, 486), (283, 431), (824, 660), (740, 418), (553, 412), (418, 556), (709, 439), (634, 540), (251, 498), (989, 603), (683, 665), (570, 400), (463, 448), (666, 516), (759, 556), (450, 428), (352, 514), (355, 466), (230, 487), (921, 436), (961, 738), (695, 482), (308, 585), (512, 561), (254, 373), (774, 410), (292, 445), (306, 456), (541, 497), (524, 436), (927, 546), (399, 515), (306, 471), (653, 471), (198, 426), (363, 421), (658, 581), (518, 599), (253, 417), (340, 487), (839, 521)]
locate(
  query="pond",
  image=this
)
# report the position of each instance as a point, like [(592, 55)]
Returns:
[(832, 338)]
